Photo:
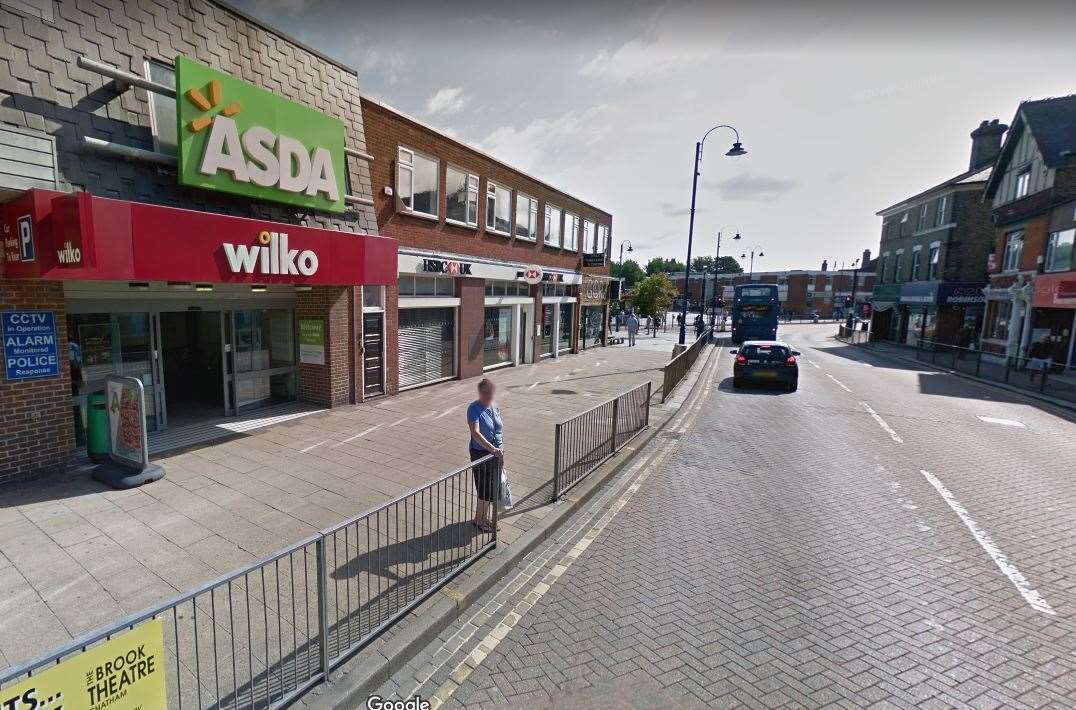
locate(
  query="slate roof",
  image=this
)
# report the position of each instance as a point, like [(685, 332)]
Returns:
[(980, 174), (1052, 123)]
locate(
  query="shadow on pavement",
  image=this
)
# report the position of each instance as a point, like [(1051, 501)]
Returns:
[(752, 389)]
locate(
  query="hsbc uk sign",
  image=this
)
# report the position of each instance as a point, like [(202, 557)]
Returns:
[(444, 266)]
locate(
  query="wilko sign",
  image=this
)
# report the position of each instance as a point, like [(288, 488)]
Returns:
[(236, 137), (443, 266), (69, 255), (270, 256)]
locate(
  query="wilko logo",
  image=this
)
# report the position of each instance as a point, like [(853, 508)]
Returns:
[(270, 256), (70, 255), (441, 266)]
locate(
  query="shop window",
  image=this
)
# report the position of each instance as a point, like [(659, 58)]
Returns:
[(162, 109), (526, 217), (497, 346), (416, 182), (552, 230), (571, 231), (998, 314), (1059, 251), (461, 201), (1014, 247), (934, 263), (373, 297), (498, 209), (425, 286)]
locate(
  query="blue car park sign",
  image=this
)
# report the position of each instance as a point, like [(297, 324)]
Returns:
[(31, 348)]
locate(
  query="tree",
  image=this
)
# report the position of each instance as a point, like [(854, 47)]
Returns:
[(654, 294), (657, 265), (630, 271), (728, 265), (702, 265)]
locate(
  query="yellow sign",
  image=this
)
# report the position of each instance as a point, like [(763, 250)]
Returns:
[(126, 673)]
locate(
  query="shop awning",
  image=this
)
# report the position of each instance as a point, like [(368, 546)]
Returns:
[(78, 236), (1054, 290)]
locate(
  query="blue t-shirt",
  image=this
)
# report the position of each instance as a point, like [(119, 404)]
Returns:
[(489, 424)]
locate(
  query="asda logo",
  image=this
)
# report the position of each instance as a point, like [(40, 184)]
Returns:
[(238, 138)]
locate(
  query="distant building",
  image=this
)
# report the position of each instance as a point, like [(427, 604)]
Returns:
[(1032, 193), (933, 252)]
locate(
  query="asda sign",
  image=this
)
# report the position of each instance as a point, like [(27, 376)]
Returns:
[(235, 137)]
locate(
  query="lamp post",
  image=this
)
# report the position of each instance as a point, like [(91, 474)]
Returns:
[(751, 268), (851, 317), (737, 149), (717, 270), (630, 250)]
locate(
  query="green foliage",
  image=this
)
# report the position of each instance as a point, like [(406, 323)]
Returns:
[(658, 265), (654, 294), (630, 271), (728, 265)]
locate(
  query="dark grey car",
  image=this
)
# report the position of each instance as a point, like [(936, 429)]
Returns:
[(766, 361)]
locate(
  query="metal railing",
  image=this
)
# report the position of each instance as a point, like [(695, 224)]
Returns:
[(853, 336), (265, 634), (1036, 375), (585, 441), (675, 370)]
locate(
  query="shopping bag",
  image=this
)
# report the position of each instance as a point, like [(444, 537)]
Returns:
[(506, 491)]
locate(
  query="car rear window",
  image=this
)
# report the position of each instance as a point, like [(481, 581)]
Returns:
[(766, 353)]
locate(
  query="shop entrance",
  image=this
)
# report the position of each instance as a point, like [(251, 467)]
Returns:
[(192, 365)]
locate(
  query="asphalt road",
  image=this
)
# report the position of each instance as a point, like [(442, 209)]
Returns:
[(886, 536)]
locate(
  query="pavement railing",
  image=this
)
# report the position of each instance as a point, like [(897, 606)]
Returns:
[(265, 634), (1045, 376), (678, 367), (585, 441), (853, 336)]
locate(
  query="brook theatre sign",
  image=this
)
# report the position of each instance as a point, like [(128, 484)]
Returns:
[(238, 138)]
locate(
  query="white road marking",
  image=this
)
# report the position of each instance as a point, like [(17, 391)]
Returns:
[(398, 422), (1003, 422), (448, 411), (533, 385), (314, 446), (1030, 595), (356, 436), (839, 383), (881, 422)]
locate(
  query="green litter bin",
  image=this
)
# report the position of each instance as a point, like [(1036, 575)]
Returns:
[(97, 426)]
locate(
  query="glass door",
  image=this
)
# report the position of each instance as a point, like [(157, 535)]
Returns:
[(264, 353), (373, 354)]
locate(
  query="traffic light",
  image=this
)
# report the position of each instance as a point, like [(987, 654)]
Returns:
[(847, 300)]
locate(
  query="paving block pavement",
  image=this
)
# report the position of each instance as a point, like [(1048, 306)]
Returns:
[(76, 556)]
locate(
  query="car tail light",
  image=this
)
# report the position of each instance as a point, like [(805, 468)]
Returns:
[(791, 360), (741, 359)]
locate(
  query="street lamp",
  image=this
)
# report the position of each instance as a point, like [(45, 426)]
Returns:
[(851, 317), (630, 250), (751, 268), (717, 270), (736, 150)]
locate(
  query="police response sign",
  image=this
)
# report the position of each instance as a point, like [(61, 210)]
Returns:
[(123, 673), (30, 345), (238, 138)]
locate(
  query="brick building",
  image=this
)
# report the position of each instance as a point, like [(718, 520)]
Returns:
[(934, 247), (802, 292), (470, 228), (1031, 295)]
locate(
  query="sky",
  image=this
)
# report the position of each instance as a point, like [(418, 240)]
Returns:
[(844, 108)]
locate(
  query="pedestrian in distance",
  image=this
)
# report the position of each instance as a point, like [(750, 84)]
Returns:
[(649, 324), (700, 325), (1039, 359), (484, 422), (633, 328)]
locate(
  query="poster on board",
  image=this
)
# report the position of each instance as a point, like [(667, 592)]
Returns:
[(312, 341), (127, 443)]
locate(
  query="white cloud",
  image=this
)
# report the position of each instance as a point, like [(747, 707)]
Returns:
[(447, 101), (752, 188), (544, 145), (639, 59)]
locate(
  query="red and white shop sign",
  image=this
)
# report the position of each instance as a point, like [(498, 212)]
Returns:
[(93, 238), (1054, 291)]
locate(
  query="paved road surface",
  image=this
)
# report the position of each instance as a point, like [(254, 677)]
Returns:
[(886, 536)]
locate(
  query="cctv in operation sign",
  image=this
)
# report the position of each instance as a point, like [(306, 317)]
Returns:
[(238, 138)]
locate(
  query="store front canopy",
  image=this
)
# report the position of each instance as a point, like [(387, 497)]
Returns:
[(77, 236), (1055, 290)]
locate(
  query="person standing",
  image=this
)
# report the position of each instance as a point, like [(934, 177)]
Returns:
[(633, 328), (487, 437)]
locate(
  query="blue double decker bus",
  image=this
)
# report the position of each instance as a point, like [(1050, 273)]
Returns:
[(755, 308)]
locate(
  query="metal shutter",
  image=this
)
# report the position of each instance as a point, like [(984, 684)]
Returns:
[(427, 345)]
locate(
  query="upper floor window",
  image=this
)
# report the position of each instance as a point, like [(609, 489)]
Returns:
[(498, 209), (416, 182), (1059, 250), (526, 217), (922, 217), (933, 263), (603, 239), (571, 231), (916, 264), (461, 197), (1014, 247), (1023, 182), (898, 266), (589, 235), (883, 263), (943, 203), (552, 228), (162, 109)]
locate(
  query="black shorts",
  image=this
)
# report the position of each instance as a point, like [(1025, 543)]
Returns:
[(487, 476)]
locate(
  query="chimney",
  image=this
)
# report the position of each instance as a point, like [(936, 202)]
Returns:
[(825, 265), (986, 143), (866, 258)]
